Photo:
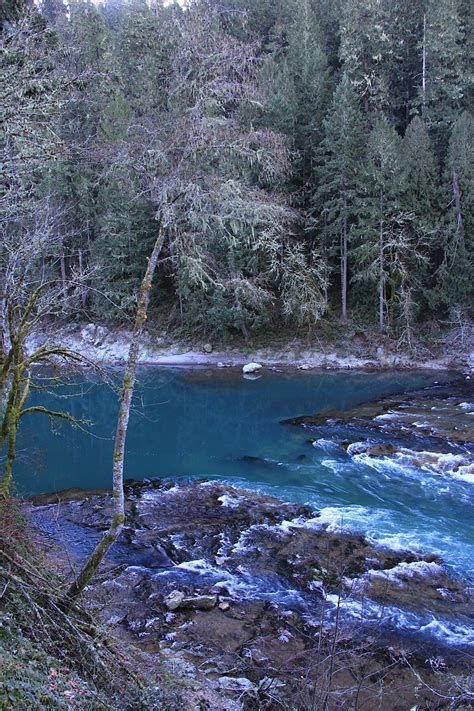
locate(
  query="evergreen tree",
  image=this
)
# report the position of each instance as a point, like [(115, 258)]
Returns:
[(366, 50), (405, 29), (390, 252), (339, 175), (420, 176), (456, 274), (300, 95), (421, 195), (466, 14), (442, 81)]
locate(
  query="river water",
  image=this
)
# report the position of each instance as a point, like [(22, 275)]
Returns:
[(203, 423)]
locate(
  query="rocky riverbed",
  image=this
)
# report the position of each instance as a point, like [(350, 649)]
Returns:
[(260, 597), (440, 417)]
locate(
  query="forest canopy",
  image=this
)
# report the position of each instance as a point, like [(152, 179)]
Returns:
[(305, 159)]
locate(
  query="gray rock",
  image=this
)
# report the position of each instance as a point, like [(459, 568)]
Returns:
[(174, 600), (207, 348), (224, 606), (240, 684), (201, 602), (251, 368)]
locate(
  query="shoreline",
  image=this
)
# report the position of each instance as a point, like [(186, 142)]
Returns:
[(110, 347)]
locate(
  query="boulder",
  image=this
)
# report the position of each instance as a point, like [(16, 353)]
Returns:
[(207, 348), (251, 368)]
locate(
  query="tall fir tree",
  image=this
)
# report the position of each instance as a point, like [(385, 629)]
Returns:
[(405, 29), (442, 81), (366, 51), (300, 95), (420, 195), (390, 250), (456, 274), (339, 175), (420, 175)]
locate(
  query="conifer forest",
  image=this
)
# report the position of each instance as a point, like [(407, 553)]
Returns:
[(305, 160)]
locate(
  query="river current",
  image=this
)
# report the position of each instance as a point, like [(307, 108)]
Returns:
[(216, 424)]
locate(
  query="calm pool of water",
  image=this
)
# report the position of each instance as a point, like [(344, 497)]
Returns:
[(215, 424)]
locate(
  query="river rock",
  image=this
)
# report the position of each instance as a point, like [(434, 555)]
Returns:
[(250, 368), (174, 600), (382, 449), (232, 683), (255, 546), (207, 348), (201, 602)]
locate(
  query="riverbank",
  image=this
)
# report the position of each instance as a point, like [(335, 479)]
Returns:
[(260, 601), (335, 566), (355, 350)]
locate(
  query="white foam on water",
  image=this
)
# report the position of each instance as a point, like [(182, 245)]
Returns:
[(327, 445), (403, 570), (338, 519), (469, 406), (442, 463), (389, 416), (408, 461), (380, 464), (364, 611), (334, 465), (449, 632)]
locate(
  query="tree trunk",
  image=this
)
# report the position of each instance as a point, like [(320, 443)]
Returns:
[(118, 514), (344, 270), (381, 269), (457, 202), (423, 70), (10, 428), (81, 274), (62, 262)]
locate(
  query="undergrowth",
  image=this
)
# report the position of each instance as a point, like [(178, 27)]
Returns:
[(51, 658)]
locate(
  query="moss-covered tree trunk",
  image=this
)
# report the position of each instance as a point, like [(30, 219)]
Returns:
[(118, 514)]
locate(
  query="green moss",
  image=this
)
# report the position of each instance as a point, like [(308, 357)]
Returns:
[(31, 679)]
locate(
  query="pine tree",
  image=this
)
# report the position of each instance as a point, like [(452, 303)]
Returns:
[(390, 250), (442, 81), (366, 51), (339, 176), (456, 274), (300, 95), (420, 175), (405, 29), (421, 196)]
